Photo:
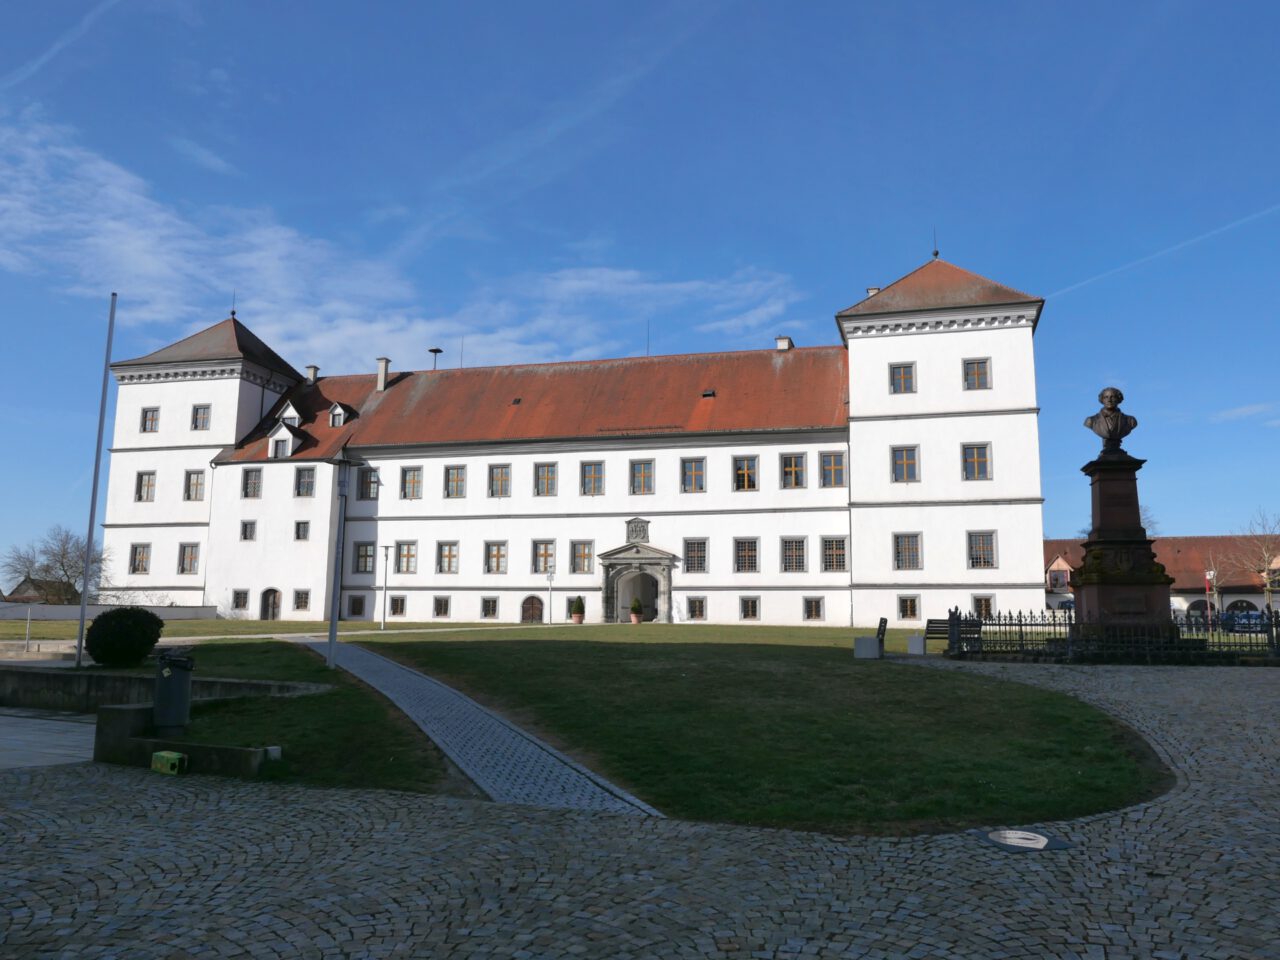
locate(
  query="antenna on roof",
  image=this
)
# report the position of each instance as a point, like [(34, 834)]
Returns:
[(935, 243), (233, 304), (435, 356)]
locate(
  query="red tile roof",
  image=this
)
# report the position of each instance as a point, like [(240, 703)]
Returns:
[(755, 391), (1184, 558), (937, 284), (228, 340)]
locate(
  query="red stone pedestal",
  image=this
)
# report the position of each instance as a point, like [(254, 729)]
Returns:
[(1119, 580)]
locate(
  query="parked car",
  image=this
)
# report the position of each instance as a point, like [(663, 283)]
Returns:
[(1244, 621)]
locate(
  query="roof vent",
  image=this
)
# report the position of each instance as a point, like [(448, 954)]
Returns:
[(312, 373), (384, 367), (784, 343), (708, 393), (515, 402), (872, 291)]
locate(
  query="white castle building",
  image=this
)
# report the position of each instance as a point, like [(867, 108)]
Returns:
[(895, 474)]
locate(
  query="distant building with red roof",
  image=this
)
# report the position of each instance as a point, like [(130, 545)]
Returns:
[(895, 473)]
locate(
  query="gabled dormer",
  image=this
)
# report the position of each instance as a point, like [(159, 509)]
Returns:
[(340, 415), (284, 440), (289, 415)]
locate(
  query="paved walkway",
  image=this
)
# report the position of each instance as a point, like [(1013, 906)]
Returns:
[(508, 764), (105, 861), (35, 738)]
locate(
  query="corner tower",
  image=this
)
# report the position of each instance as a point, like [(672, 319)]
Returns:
[(944, 480)]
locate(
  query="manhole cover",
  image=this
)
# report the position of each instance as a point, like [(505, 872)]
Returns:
[(1021, 841)]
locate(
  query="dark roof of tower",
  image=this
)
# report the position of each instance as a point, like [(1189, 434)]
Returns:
[(228, 340), (937, 285)]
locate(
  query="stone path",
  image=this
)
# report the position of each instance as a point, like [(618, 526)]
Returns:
[(33, 738), (105, 861), (508, 764)]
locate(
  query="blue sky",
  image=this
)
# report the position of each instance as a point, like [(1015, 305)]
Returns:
[(550, 180)]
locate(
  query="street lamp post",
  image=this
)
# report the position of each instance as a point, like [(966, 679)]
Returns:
[(1209, 577), (551, 575), (386, 549)]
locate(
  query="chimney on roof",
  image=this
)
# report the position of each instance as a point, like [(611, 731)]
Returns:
[(384, 367), (872, 291), (784, 343), (312, 373)]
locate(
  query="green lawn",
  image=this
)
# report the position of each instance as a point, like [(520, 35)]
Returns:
[(348, 737), (177, 629), (792, 731)]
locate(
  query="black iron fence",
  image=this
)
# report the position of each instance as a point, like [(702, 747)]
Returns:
[(1057, 635)]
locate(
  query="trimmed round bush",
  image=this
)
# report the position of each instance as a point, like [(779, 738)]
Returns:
[(122, 637)]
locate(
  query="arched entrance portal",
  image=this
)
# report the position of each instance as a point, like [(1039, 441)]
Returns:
[(531, 610), (1241, 606), (270, 605), (642, 586)]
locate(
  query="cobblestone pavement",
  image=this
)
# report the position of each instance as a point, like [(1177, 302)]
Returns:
[(33, 738), (105, 861), (508, 764)]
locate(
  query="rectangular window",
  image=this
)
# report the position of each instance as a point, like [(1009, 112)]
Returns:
[(280, 449), (982, 550), (641, 476), (833, 470), (193, 488), (1058, 579), (200, 416), (834, 554), (140, 558), (793, 559), (488, 608), (693, 475), (977, 374), (248, 530), (500, 480), (410, 483), (902, 378), (745, 473), (793, 473), (813, 608), (447, 556), (397, 606), (908, 608), (749, 608), (984, 606), (544, 479), (977, 461), (251, 483), (583, 556), (144, 488), (592, 479), (304, 482), (455, 482), (302, 530), (188, 557), (239, 599), (906, 464), (495, 556), (906, 551), (696, 608), (337, 417), (746, 556), (355, 606), (363, 558), (150, 419), (406, 556), (695, 556), (439, 606), (544, 556), (367, 483), (302, 599)]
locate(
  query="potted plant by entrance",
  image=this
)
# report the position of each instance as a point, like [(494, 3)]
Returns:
[(578, 610), (636, 610)]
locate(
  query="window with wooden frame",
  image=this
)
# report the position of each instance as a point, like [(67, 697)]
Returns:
[(193, 487), (984, 606), (746, 473), (304, 482), (583, 556), (500, 480), (440, 606), (976, 459), (367, 483), (982, 550), (544, 556), (150, 422), (906, 551), (544, 479), (495, 556), (302, 599), (793, 472), (835, 552), (812, 608), (363, 558), (696, 608), (398, 605), (200, 416), (748, 608), (833, 469), (906, 464), (251, 483), (908, 608), (902, 378), (410, 483), (140, 558), (746, 555), (695, 556), (447, 556), (592, 478), (641, 477), (144, 488), (406, 556), (188, 558), (793, 554), (488, 608), (280, 449), (693, 475), (977, 374), (455, 482), (239, 599)]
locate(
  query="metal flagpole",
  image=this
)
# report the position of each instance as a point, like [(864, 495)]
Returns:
[(93, 499)]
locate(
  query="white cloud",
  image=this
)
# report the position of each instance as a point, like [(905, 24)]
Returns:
[(201, 156), (89, 226), (1243, 413), (33, 66)]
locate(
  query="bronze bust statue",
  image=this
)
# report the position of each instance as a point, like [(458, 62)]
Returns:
[(1111, 423)]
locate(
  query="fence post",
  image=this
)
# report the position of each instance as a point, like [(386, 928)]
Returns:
[(953, 630)]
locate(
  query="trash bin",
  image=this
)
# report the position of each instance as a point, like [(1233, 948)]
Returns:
[(172, 710)]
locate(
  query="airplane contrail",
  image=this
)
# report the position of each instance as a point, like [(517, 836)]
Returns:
[(1167, 250), (31, 67)]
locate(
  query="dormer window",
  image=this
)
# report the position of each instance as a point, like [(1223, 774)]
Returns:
[(291, 421), (289, 415), (337, 416), (280, 449)]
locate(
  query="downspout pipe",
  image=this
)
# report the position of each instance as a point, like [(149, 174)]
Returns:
[(335, 589)]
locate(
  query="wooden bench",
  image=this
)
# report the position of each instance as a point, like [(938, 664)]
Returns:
[(970, 633)]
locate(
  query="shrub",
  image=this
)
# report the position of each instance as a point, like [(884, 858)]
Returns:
[(636, 605), (122, 637), (579, 606)]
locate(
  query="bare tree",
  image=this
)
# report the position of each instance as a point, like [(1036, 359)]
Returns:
[(55, 564), (1149, 523), (1256, 553)]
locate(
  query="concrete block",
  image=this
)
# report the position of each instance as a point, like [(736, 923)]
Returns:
[(915, 645), (867, 648)]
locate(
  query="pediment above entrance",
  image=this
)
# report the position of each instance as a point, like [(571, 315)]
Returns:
[(637, 553)]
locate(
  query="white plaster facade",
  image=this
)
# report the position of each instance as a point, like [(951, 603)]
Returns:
[(860, 516)]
